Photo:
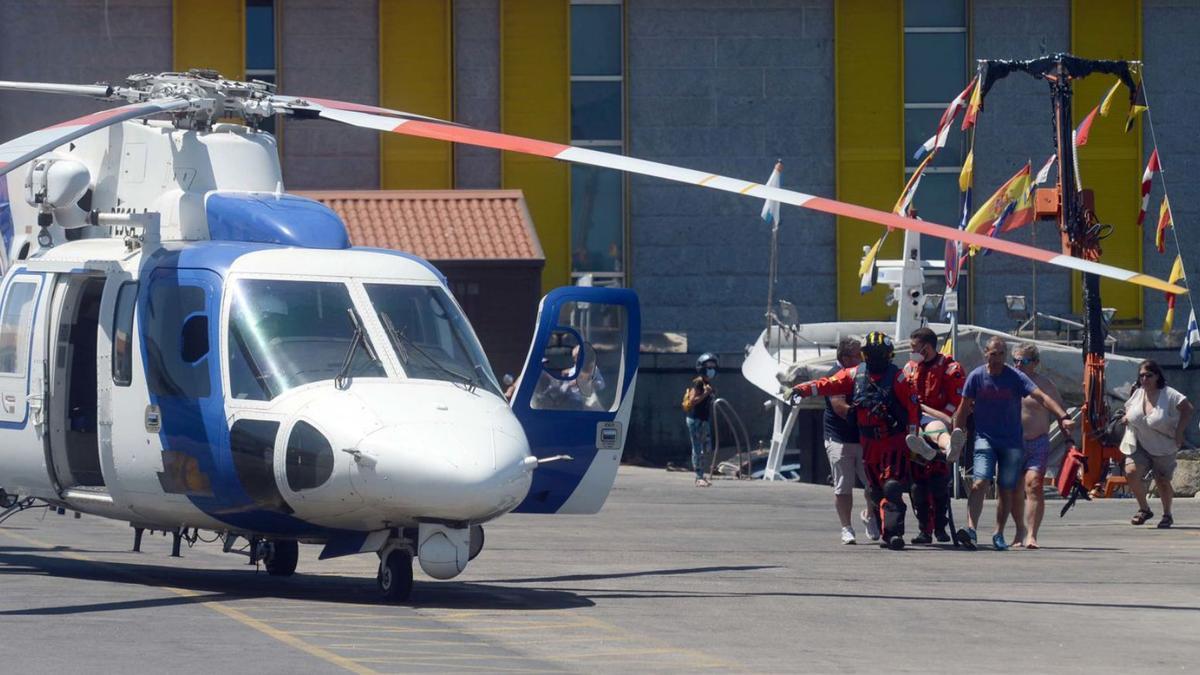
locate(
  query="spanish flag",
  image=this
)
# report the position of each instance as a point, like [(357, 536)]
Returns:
[(1015, 193), (1176, 276), (1164, 221), (974, 106), (1136, 107)]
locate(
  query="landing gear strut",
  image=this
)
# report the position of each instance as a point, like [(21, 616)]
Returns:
[(396, 574), (280, 556)]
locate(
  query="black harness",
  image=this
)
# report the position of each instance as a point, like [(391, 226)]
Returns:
[(879, 401)]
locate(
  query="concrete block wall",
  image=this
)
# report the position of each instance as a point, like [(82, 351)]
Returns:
[(329, 50), (1015, 127), (80, 43), (728, 87)]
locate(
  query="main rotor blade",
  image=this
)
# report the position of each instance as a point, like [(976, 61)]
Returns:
[(97, 90), (20, 150), (567, 153), (308, 106)]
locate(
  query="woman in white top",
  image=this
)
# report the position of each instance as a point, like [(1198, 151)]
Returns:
[(1156, 417)]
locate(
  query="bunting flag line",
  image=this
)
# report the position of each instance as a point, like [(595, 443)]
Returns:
[(1108, 98), (1152, 169), (938, 140), (1137, 107), (1192, 336), (770, 209), (1176, 276), (1080, 135), (1164, 221), (974, 106)]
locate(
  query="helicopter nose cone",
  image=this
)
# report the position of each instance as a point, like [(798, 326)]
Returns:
[(463, 470)]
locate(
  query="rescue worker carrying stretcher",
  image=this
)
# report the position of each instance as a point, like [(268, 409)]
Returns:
[(886, 411), (938, 381)]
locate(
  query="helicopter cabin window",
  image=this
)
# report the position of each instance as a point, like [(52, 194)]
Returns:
[(15, 324), (175, 349), (431, 336), (309, 458), (583, 360), (252, 445), (285, 334), (597, 122), (122, 344)]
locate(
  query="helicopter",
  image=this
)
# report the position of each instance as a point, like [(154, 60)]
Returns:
[(185, 346)]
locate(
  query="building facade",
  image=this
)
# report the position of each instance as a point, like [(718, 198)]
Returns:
[(841, 91)]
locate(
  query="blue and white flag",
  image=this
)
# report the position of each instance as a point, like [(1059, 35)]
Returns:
[(770, 210), (1190, 338)]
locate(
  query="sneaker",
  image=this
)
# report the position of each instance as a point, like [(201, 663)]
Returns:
[(966, 538), (919, 447), (923, 538), (942, 535), (998, 542), (872, 528), (958, 438), (848, 536)]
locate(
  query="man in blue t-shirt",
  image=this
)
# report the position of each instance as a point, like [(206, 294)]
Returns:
[(993, 392)]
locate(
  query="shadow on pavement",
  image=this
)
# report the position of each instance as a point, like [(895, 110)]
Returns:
[(224, 585)]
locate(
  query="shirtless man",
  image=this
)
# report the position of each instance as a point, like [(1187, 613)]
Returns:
[(1035, 422)]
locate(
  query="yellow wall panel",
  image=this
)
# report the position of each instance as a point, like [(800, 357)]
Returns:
[(210, 34), (869, 84), (415, 75), (1111, 162), (535, 101)]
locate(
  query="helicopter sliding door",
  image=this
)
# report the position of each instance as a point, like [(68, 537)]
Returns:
[(575, 395), (23, 318), (74, 443)]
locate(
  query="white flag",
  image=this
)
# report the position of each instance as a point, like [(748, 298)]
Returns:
[(770, 210)]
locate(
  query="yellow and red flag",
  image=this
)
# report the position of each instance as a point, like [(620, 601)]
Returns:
[(1176, 276), (974, 106), (1164, 221)]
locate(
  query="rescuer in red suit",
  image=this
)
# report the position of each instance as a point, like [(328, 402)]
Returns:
[(886, 411), (938, 381)]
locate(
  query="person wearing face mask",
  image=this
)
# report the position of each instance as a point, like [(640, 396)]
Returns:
[(938, 380), (993, 392), (886, 412), (697, 403)]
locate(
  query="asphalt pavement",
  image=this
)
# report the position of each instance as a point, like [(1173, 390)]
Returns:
[(740, 577)]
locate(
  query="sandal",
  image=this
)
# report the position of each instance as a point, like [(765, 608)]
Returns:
[(1141, 516), (1166, 522)]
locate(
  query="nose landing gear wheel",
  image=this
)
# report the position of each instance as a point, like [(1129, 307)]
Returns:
[(281, 558), (396, 576)]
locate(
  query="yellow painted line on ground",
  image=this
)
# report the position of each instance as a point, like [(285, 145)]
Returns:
[(236, 615)]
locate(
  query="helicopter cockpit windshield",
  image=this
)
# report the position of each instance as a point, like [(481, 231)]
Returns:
[(431, 336), (287, 333)]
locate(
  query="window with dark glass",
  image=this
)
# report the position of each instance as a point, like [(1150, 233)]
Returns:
[(260, 46), (309, 458), (935, 71), (252, 444), (122, 343), (597, 122), (168, 345)]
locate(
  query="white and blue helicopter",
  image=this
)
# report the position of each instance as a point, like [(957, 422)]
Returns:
[(184, 346)]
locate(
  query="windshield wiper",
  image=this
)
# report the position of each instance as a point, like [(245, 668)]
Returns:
[(342, 380), (400, 341)]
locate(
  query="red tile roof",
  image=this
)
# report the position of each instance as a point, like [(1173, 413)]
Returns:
[(438, 224)]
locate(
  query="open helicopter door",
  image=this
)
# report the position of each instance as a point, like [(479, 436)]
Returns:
[(575, 395), (23, 383)]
